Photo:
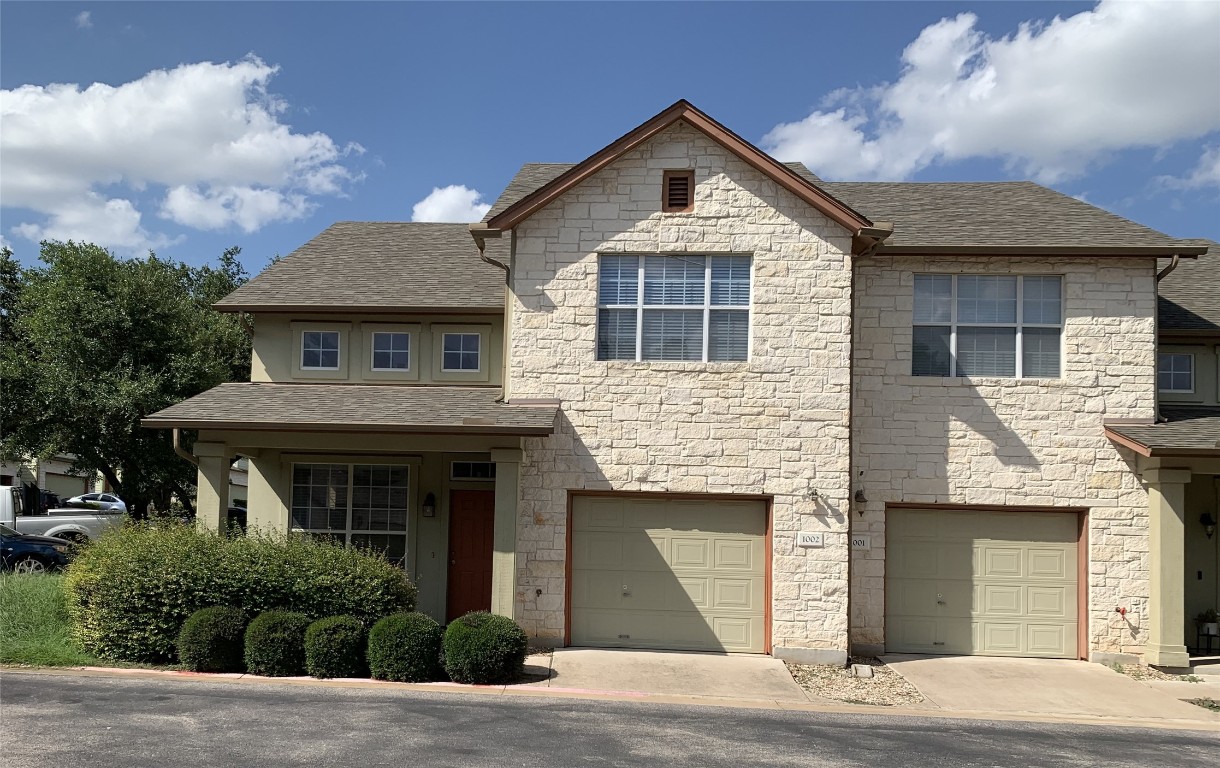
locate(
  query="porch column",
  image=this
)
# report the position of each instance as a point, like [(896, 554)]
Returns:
[(504, 549), (212, 496), (1166, 645)]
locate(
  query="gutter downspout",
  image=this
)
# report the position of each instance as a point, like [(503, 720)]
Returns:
[(184, 453), (1173, 264), (481, 233), (881, 231)]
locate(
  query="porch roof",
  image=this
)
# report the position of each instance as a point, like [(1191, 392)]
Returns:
[(357, 408), (1186, 431)]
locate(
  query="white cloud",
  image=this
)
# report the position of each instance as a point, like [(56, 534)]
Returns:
[(210, 134), (84, 20), (1050, 100), (1205, 174), (454, 203)]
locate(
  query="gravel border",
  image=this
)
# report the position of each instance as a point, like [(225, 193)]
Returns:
[(886, 688), (1141, 672)]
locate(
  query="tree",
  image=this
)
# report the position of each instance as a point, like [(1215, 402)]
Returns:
[(94, 343)]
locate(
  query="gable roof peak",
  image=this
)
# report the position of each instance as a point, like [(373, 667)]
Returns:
[(683, 110)]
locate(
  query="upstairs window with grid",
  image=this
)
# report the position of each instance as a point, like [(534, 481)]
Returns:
[(320, 350), (988, 325), (1175, 372), (694, 308)]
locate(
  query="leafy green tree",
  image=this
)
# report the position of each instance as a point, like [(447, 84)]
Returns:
[(93, 343)]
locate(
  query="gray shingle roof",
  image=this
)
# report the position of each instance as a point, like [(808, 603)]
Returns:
[(356, 408), (1189, 297), (1187, 429), (377, 266), (943, 214)]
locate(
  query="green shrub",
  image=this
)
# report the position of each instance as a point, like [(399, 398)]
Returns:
[(334, 647), (130, 591), (483, 648), (405, 647), (213, 640), (275, 644)]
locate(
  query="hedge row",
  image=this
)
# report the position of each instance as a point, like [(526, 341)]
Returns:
[(131, 591), (406, 647)]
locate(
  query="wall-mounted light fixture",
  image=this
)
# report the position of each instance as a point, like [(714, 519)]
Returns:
[(1209, 523), (429, 508)]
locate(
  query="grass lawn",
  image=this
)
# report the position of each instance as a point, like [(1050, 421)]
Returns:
[(34, 623)]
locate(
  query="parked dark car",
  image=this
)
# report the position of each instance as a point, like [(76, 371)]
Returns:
[(23, 553)]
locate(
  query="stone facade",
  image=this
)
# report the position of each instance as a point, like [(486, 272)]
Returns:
[(776, 425), (1010, 441)]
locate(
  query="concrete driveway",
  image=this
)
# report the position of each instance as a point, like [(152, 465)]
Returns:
[(671, 673), (1039, 686)]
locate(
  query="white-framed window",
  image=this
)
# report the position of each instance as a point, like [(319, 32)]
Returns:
[(1175, 372), (673, 307), (460, 351), (391, 351), (988, 325), (361, 505), (320, 350), (472, 470)]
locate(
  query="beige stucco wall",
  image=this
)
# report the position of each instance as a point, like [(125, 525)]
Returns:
[(276, 348), (775, 425), (1007, 441), (1206, 354)]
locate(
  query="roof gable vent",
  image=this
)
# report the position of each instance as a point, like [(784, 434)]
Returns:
[(678, 192)]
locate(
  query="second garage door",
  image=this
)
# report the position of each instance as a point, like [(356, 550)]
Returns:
[(997, 583), (669, 574), (65, 486)]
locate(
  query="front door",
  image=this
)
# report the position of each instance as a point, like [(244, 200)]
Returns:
[(472, 516)]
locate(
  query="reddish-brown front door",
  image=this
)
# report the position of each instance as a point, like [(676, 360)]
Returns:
[(472, 517)]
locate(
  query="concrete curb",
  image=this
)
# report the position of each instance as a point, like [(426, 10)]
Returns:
[(528, 691)]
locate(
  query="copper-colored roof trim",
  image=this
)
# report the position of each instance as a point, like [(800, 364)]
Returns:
[(1185, 251), (1150, 452), (831, 207), (407, 429), (348, 309)]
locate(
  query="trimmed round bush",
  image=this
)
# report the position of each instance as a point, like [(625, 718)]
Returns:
[(334, 647), (406, 648), (275, 644), (130, 591), (213, 640), (483, 648)]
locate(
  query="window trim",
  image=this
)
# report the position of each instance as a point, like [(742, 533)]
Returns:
[(706, 308), (486, 352), (1018, 324), (297, 350), (478, 353), (338, 351), (666, 178), (1193, 384), (410, 350)]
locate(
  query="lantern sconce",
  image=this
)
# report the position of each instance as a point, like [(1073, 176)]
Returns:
[(1209, 523), (429, 508)]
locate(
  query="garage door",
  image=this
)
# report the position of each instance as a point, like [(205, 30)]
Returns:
[(983, 583), (65, 486), (671, 574)]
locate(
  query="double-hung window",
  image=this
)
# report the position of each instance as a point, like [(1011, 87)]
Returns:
[(361, 505), (676, 307), (1175, 372), (320, 350), (987, 325)]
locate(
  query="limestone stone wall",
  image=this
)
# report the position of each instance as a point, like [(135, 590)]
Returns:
[(1010, 442), (777, 424)]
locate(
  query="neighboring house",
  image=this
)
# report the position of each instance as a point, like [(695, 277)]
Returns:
[(53, 473), (724, 405)]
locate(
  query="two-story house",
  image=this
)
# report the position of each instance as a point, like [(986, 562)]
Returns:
[(682, 395)]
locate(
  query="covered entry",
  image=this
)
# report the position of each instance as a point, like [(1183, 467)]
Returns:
[(655, 572), (982, 582)]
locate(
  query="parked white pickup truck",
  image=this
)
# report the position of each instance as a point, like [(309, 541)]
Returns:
[(70, 523)]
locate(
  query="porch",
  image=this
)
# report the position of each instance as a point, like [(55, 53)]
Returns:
[(428, 475)]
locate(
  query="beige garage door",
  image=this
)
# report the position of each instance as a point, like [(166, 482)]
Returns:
[(673, 574), (982, 583), (65, 486)]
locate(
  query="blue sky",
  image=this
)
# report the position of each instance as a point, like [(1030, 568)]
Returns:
[(316, 112)]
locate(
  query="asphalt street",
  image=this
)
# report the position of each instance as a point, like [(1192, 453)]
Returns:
[(61, 720)]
